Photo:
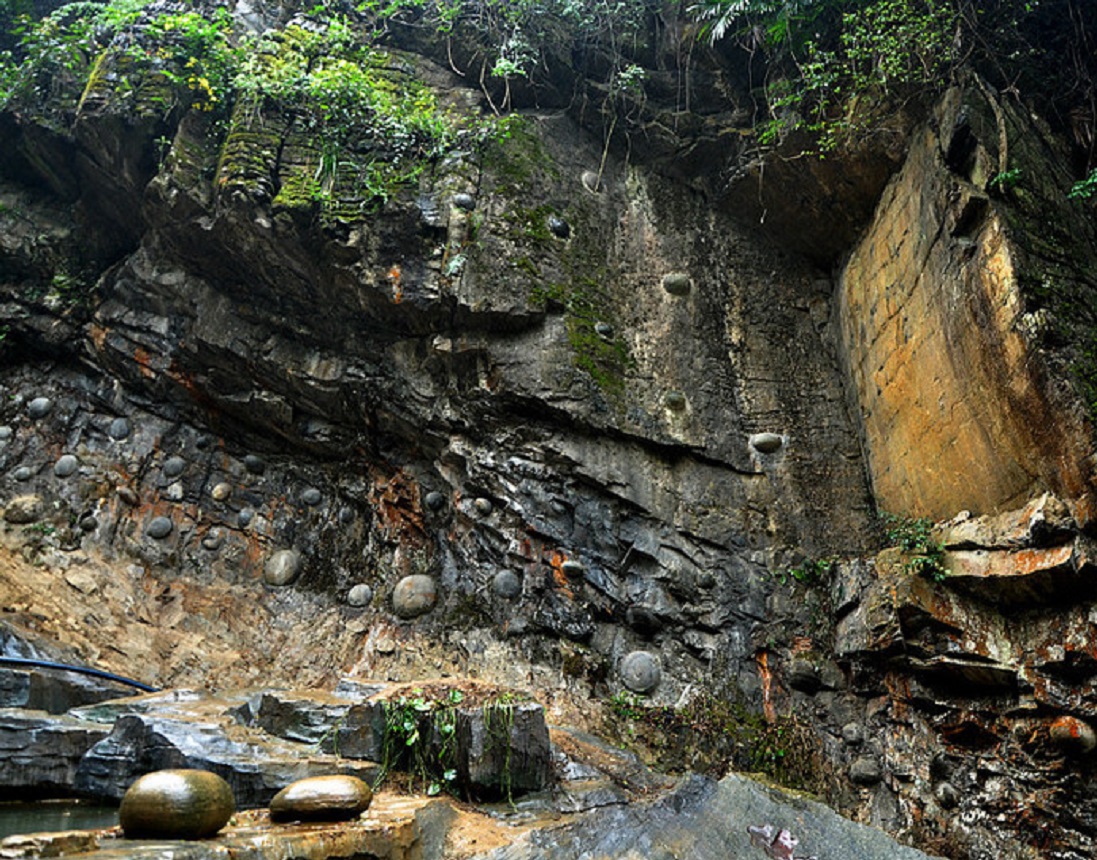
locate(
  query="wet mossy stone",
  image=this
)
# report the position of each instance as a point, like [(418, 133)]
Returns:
[(174, 467), (465, 201), (311, 496), (159, 527), (282, 567), (506, 584), (23, 473), (414, 595), (66, 466), (176, 804), (766, 443), (39, 407), (119, 428), (435, 500), (677, 283), (640, 671), (360, 595), (255, 464), (559, 228), (321, 798)]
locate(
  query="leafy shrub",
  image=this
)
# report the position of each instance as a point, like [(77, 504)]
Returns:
[(925, 555)]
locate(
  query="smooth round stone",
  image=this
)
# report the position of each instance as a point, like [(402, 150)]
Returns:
[(640, 671), (5, 433), (766, 443), (66, 466), (312, 497), (174, 466), (482, 506), (23, 473), (414, 595), (202, 442), (176, 804), (128, 495), (463, 200), (559, 228), (245, 517), (360, 595), (282, 567), (674, 400), (159, 527), (119, 428), (23, 510), (255, 464), (603, 329), (88, 523), (573, 569), (213, 539), (865, 771), (1072, 736), (39, 407), (321, 798), (346, 515), (852, 733), (590, 181), (435, 500), (506, 584), (221, 492), (677, 283), (947, 795)]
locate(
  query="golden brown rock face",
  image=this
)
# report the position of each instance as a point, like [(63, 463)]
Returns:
[(176, 804), (957, 405)]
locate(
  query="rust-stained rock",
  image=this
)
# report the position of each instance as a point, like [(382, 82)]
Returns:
[(1072, 736), (1026, 576), (321, 798)]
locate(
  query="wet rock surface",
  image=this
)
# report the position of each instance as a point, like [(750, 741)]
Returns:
[(321, 798)]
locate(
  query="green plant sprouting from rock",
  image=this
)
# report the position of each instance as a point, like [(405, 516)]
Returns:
[(914, 536)]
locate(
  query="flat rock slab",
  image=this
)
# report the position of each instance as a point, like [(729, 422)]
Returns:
[(708, 820), (40, 752)]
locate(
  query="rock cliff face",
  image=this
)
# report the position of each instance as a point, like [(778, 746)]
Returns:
[(563, 415)]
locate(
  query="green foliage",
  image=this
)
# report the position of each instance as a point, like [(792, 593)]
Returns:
[(1084, 189), (712, 734), (420, 735), (812, 572), (925, 554), (1006, 180)]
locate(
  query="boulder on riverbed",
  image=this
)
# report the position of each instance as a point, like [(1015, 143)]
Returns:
[(176, 804)]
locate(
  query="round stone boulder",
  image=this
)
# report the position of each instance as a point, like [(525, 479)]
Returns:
[(23, 510), (119, 428), (506, 584), (282, 567), (174, 467), (221, 492), (255, 464), (66, 466), (591, 181), (482, 506), (176, 804), (435, 500), (159, 527), (39, 408), (766, 443), (5, 433), (559, 228), (321, 798), (23, 473), (674, 400), (1072, 736), (311, 496), (464, 200), (677, 284), (640, 671), (360, 595), (414, 595)]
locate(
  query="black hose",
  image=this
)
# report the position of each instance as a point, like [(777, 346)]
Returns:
[(83, 670)]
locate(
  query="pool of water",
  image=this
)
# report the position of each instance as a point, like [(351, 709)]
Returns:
[(53, 815)]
